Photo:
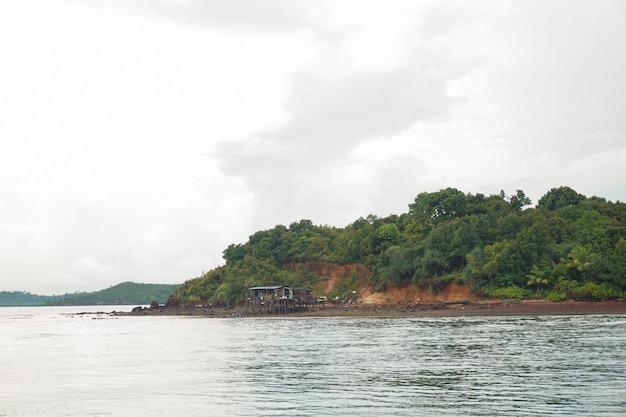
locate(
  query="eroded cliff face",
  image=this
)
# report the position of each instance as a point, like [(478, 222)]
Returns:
[(394, 294), (411, 294)]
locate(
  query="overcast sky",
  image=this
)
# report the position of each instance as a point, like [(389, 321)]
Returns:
[(138, 139)]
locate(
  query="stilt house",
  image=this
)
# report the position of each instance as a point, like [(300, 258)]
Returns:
[(279, 292)]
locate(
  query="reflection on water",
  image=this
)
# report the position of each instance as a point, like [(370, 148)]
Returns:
[(58, 365)]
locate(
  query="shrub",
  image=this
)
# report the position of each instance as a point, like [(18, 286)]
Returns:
[(512, 292), (592, 291), (557, 296), (345, 286), (570, 289)]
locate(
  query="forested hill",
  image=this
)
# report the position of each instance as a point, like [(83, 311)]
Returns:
[(568, 246), (124, 293), (23, 298)]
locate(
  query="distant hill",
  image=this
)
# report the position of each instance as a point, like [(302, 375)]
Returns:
[(124, 293), (120, 294), (22, 298)]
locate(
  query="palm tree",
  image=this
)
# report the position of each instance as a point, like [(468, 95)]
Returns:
[(536, 278), (581, 258)]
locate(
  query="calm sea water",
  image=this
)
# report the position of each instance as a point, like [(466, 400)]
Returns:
[(54, 364)]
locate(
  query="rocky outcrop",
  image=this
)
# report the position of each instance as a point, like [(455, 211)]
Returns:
[(172, 301)]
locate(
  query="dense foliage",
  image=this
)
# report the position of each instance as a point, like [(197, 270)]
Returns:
[(567, 247)]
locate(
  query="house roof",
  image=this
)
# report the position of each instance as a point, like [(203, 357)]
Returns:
[(277, 287), (271, 287)]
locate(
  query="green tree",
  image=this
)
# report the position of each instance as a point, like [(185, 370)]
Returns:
[(385, 236), (234, 253), (592, 229), (537, 277), (433, 263), (560, 197), (398, 264), (464, 240), (301, 226), (519, 200), (579, 261), (493, 258), (439, 206)]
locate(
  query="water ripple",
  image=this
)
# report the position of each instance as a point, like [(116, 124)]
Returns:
[(476, 366)]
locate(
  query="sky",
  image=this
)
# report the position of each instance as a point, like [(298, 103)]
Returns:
[(139, 138)]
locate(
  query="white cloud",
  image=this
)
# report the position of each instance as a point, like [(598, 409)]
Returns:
[(139, 139)]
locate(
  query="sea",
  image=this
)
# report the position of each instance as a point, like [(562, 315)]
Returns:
[(54, 362)]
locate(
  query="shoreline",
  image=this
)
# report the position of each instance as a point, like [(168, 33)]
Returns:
[(491, 308)]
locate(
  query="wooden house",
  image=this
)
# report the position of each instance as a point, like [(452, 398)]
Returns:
[(279, 292), (279, 299)]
